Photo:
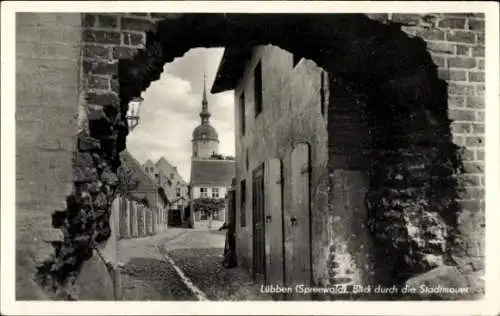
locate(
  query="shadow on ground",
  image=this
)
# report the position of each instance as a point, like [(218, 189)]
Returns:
[(152, 279)]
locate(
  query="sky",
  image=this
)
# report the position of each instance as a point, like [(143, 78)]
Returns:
[(171, 107)]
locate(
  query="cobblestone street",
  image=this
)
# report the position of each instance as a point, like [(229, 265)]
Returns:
[(152, 268)]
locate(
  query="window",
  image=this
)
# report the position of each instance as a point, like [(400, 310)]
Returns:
[(215, 193), (258, 88), (242, 113), (204, 192), (243, 196), (171, 175), (178, 192), (322, 93)]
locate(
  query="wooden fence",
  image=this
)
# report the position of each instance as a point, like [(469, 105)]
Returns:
[(128, 220), (136, 220)]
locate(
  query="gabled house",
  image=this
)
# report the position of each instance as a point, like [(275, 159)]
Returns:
[(176, 188), (147, 190)]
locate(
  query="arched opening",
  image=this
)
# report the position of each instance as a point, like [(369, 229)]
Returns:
[(391, 88)]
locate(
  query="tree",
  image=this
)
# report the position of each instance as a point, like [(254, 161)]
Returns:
[(128, 180), (208, 206)]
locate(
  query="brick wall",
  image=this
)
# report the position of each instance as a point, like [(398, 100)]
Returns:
[(106, 39), (47, 83), (456, 43)]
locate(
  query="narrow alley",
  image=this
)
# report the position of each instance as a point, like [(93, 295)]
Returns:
[(182, 265)]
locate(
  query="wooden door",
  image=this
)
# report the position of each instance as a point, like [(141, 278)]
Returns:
[(274, 222), (259, 255), (297, 222)]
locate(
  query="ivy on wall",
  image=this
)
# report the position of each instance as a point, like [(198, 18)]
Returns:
[(208, 205)]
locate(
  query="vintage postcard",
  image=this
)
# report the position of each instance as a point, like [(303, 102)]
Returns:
[(262, 157)]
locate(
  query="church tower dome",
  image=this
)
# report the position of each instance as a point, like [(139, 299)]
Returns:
[(205, 138)]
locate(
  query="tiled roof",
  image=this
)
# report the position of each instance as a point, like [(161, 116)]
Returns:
[(212, 172), (145, 182), (163, 163)]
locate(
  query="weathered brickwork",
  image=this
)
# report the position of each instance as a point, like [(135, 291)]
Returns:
[(115, 68), (456, 44)]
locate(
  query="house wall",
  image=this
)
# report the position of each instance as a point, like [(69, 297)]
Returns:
[(170, 180), (196, 222), (291, 115)]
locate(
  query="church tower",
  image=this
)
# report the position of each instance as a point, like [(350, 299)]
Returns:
[(205, 138)]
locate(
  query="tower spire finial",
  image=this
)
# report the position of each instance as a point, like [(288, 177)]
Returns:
[(204, 103), (204, 100)]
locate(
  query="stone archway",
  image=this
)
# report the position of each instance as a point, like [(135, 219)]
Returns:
[(405, 109)]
